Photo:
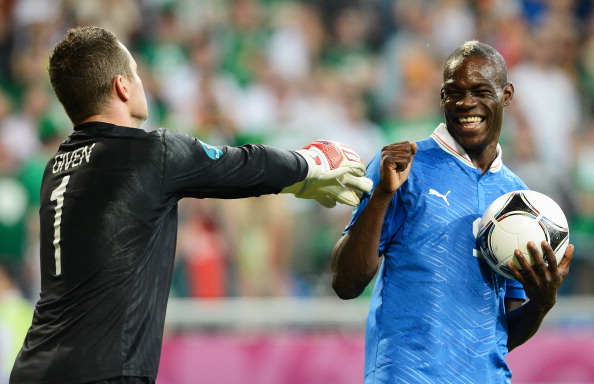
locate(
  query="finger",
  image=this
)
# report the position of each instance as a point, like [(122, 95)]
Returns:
[(358, 183), (566, 261), (526, 268), (338, 172), (399, 162), (517, 274), (326, 201), (539, 263), (342, 195), (402, 164), (357, 169), (402, 146), (398, 146), (549, 257)]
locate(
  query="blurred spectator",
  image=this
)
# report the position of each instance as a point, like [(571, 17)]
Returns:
[(199, 96), (296, 41), (582, 222), (542, 81), (13, 219), (413, 33), (413, 115), (122, 17), (502, 25), (461, 23), (585, 67), (202, 258), (357, 130), (19, 130), (243, 40), (165, 55), (5, 40), (15, 317), (349, 52), (261, 232)]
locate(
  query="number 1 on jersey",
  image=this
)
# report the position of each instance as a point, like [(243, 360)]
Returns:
[(58, 196)]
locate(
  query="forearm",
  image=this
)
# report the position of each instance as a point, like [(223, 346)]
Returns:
[(354, 260), (541, 283), (523, 323)]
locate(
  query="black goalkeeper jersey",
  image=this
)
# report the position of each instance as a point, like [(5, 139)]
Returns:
[(108, 233)]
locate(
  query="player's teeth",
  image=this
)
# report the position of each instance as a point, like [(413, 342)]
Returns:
[(474, 119)]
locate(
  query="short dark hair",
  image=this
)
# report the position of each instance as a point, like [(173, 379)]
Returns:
[(82, 68), (478, 49)]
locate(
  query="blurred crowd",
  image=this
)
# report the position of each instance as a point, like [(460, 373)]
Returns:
[(286, 72)]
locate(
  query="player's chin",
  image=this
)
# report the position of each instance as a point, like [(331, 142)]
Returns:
[(475, 141)]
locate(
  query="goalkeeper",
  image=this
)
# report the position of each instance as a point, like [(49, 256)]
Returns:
[(108, 215)]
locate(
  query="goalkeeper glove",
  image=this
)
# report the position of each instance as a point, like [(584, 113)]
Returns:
[(329, 160), (347, 189)]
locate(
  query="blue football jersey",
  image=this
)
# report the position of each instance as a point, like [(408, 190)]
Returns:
[(437, 311)]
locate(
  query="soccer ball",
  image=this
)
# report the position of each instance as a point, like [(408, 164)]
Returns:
[(513, 220)]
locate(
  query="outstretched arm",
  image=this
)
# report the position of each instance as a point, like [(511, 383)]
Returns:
[(541, 283), (354, 260)]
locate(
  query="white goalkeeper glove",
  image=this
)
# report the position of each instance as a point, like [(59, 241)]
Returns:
[(335, 174), (346, 189), (329, 160)]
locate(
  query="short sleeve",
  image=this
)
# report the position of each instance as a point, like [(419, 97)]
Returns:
[(514, 290)]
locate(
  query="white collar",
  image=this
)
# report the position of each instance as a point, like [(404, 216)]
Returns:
[(444, 139)]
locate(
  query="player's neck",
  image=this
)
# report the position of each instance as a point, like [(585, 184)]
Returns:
[(115, 116), (484, 158)]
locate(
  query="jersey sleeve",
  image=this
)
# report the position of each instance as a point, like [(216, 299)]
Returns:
[(196, 169), (514, 290)]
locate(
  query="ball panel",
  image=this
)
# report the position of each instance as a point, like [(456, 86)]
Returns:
[(557, 234), (515, 203), (502, 243), (533, 231), (546, 207), (515, 223)]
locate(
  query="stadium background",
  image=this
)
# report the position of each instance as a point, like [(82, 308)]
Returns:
[(251, 298)]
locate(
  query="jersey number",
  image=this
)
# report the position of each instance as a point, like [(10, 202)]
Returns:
[(58, 196)]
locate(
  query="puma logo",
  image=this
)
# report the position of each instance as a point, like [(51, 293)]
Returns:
[(444, 197)]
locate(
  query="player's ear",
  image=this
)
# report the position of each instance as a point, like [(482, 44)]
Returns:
[(441, 97), (121, 88), (508, 94)]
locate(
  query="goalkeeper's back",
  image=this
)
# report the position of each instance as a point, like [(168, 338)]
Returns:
[(108, 231)]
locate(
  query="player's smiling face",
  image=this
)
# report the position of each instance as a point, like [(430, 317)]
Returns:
[(473, 97)]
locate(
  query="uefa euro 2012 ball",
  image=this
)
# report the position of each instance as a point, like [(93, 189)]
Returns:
[(516, 218)]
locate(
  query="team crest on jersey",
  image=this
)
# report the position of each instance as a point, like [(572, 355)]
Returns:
[(212, 152)]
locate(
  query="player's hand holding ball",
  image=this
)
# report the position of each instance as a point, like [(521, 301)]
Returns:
[(524, 235), (336, 174), (515, 219)]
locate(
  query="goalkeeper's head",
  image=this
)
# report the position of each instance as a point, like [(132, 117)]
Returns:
[(89, 70)]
